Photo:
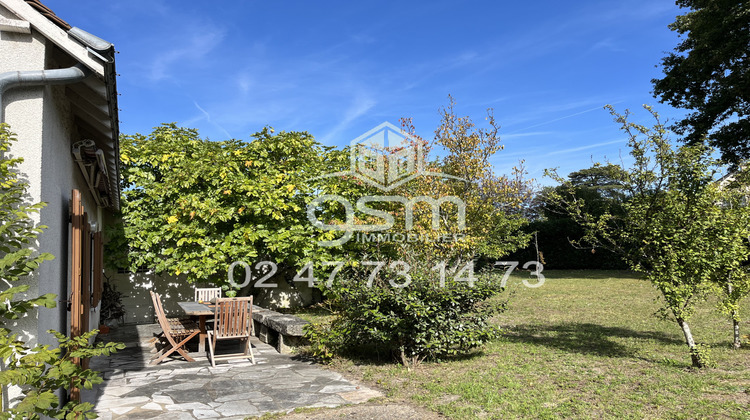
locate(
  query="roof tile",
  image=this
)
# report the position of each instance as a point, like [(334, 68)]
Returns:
[(49, 14)]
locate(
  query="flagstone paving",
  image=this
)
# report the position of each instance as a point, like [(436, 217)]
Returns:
[(236, 389)]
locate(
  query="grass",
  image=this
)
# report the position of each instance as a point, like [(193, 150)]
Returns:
[(584, 345), (313, 314)]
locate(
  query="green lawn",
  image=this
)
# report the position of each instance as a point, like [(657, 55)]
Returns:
[(585, 345)]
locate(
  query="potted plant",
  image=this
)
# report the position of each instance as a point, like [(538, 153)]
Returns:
[(229, 291), (112, 311)]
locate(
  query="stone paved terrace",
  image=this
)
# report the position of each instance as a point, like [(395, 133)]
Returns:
[(236, 389)]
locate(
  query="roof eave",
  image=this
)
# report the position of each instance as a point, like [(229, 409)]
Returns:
[(91, 51)]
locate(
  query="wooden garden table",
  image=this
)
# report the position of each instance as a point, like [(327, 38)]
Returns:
[(201, 310)]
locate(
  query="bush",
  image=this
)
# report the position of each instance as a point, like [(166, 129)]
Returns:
[(411, 324), (41, 370)]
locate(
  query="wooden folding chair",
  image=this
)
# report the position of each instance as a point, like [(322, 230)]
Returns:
[(233, 319), (206, 294), (177, 332)]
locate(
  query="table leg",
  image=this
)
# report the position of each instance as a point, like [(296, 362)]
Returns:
[(203, 335)]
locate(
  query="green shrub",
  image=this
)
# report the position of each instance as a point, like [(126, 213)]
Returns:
[(411, 324), (42, 370), (702, 353)]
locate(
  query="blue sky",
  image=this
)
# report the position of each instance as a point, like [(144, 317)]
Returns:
[(338, 68)]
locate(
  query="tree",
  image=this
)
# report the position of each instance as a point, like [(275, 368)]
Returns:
[(601, 191), (671, 229), (38, 370), (602, 179), (492, 203), (420, 299), (709, 75), (732, 283), (195, 206)]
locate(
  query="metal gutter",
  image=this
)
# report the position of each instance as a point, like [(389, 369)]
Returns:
[(105, 51), (92, 42)]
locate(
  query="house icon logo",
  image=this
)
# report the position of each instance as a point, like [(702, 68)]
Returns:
[(386, 157)]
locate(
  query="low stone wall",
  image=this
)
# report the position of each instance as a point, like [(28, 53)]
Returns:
[(280, 330)]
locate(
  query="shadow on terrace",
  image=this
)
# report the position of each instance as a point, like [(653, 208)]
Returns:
[(176, 389)]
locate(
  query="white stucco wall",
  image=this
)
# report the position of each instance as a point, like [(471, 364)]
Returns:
[(24, 112), (59, 176), (173, 289), (137, 301), (42, 121)]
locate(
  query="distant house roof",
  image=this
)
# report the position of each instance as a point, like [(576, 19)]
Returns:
[(93, 101)]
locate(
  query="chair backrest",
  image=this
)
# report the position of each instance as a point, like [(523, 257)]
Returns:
[(233, 317), (206, 294), (159, 311)]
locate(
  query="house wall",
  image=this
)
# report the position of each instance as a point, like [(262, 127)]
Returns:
[(42, 121), (24, 112), (60, 175), (135, 288)]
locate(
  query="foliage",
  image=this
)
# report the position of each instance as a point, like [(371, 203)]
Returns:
[(583, 346), (40, 371), (424, 320), (709, 73), (493, 203), (229, 291), (195, 206), (323, 340), (601, 191), (553, 238), (671, 228), (732, 283), (702, 352), (112, 306), (18, 233), (411, 324)]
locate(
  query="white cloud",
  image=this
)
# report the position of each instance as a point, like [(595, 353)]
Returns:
[(520, 135), (558, 107), (361, 103), (205, 116), (192, 48), (607, 44), (587, 147)]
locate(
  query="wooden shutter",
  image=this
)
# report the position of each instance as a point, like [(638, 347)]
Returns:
[(80, 273), (86, 280), (76, 250), (76, 272)]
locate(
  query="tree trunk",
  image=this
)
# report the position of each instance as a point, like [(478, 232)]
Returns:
[(737, 343), (735, 322), (697, 362), (4, 402)]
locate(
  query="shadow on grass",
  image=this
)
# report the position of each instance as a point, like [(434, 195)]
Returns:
[(591, 274), (368, 357), (585, 338)]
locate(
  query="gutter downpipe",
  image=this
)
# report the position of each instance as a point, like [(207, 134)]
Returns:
[(13, 79), (40, 78)]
